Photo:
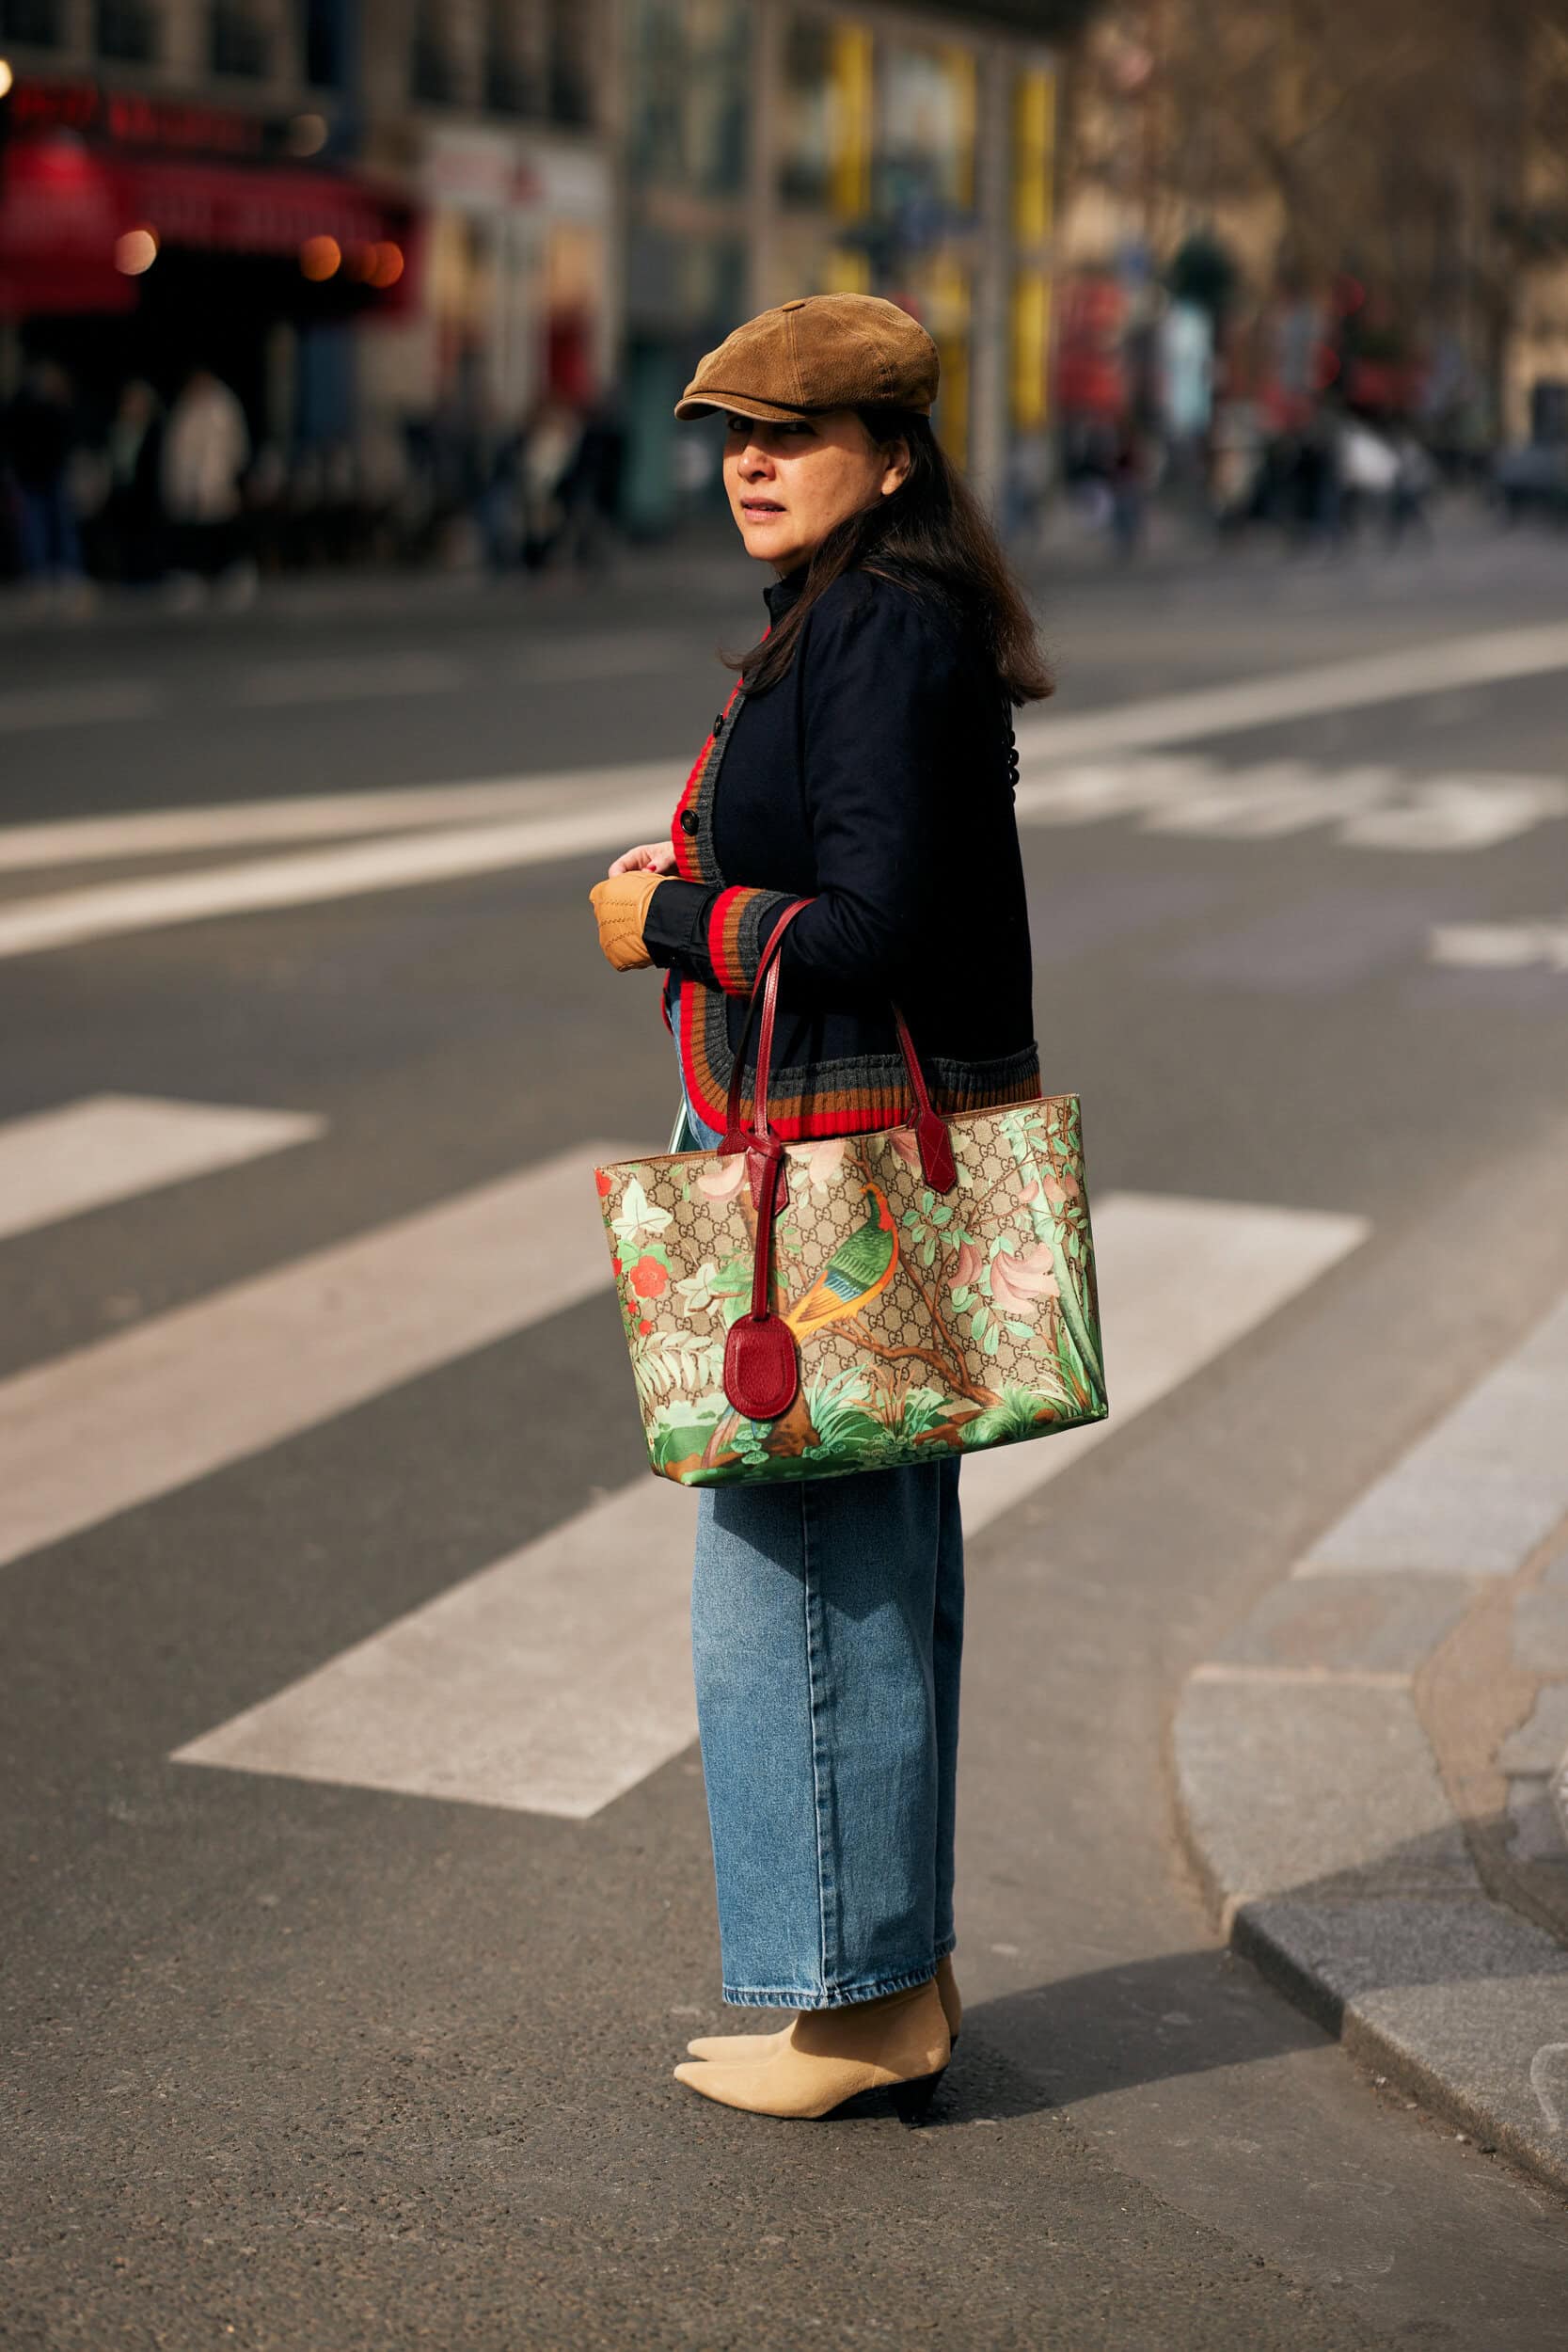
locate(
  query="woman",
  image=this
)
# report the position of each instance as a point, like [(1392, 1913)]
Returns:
[(864, 764)]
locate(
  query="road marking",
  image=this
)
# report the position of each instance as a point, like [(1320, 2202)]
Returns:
[(112, 1425), (84, 705), (54, 1164), (322, 815), (1209, 710), (1367, 808), (1500, 947), (70, 917), (1479, 1491), (536, 822), (349, 678), (556, 1679)]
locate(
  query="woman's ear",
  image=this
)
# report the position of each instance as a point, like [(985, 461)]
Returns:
[(896, 470)]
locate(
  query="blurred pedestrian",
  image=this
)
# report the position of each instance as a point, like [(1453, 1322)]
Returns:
[(551, 440), (589, 490), (133, 516), (206, 450), (1415, 480), (41, 433), (874, 738), (1369, 469), (1129, 486)]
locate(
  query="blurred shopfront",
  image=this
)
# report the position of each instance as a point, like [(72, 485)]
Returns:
[(515, 299), (778, 148), (141, 236)]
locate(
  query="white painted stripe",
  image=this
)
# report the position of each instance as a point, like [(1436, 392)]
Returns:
[(110, 1147), (556, 1679), (84, 705), (1179, 1281), (1428, 669), (1369, 807), (1499, 946), (1478, 1492), (322, 816), (350, 677), (114, 1424), (70, 917)]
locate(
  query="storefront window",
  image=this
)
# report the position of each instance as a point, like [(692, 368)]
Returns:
[(433, 63), (926, 143), (239, 40), (825, 141), (36, 22), (126, 29), (324, 37), (689, 64)]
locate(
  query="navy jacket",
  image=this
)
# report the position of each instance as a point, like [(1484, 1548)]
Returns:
[(875, 779)]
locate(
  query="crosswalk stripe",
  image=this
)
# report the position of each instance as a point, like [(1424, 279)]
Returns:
[(555, 1679), (126, 1418), (320, 816), (1368, 807), (67, 918), (88, 704), (109, 1147), (1437, 667), (534, 823)]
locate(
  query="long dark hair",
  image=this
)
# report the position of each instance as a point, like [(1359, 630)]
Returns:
[(931, 536)]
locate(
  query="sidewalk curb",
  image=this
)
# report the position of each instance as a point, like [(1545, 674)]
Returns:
[(1316, 1815)]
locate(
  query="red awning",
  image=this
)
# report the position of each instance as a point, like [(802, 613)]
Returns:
[(58, 222), (63, 205), (226, 208)]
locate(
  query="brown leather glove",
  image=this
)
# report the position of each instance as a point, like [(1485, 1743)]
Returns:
[(621, 908)]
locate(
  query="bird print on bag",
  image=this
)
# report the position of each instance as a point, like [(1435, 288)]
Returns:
[(859, 1271)]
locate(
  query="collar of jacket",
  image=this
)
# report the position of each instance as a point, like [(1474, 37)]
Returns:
[(781, 594)]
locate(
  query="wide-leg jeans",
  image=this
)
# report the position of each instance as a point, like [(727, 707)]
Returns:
[(827, 1622)]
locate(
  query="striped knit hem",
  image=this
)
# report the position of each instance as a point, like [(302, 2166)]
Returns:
[(853, 1095)]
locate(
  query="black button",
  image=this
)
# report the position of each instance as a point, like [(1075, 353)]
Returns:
[(719, 723), (688, 820)]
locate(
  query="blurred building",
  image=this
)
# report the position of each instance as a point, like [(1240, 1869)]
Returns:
[(777, 148), (440, 214), (180, 183), (501, 116)]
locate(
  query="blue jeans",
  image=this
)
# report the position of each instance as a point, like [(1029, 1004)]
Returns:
[(827, 1628)]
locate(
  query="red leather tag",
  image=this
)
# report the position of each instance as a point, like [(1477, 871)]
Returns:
[(762, 1370), (936, 1151)]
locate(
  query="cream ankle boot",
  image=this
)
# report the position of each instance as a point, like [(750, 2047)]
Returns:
[(752, 2046), (899, 2044)]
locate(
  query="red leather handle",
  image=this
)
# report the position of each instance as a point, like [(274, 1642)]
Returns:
[(930, 1128), (762, 1363)]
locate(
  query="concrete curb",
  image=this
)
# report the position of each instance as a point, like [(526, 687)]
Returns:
[(1320, 1815)]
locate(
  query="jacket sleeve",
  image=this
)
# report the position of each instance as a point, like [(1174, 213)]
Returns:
[(879, 690)]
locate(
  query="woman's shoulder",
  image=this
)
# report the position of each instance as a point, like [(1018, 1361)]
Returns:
[(878, 611)]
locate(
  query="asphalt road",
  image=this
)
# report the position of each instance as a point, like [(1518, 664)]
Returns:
[(377, 2054)]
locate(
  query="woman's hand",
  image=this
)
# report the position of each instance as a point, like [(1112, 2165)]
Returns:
[(620, 909), (654, 857)]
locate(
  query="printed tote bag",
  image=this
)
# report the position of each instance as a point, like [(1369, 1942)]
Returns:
[(803, 1310)]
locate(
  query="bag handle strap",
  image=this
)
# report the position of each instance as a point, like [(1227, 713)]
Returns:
[(930, 1128)]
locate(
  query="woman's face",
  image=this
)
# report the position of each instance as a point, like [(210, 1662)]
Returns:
[(789, 484)]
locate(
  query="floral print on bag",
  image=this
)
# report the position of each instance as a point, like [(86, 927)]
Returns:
[(926, 1322)]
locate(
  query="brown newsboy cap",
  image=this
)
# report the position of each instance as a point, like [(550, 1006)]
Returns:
[(826, 351)]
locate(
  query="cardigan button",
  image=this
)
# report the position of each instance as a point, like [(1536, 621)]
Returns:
[(688, 820)]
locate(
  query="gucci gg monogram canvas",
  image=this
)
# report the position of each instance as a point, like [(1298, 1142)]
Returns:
[(925, 1322)]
